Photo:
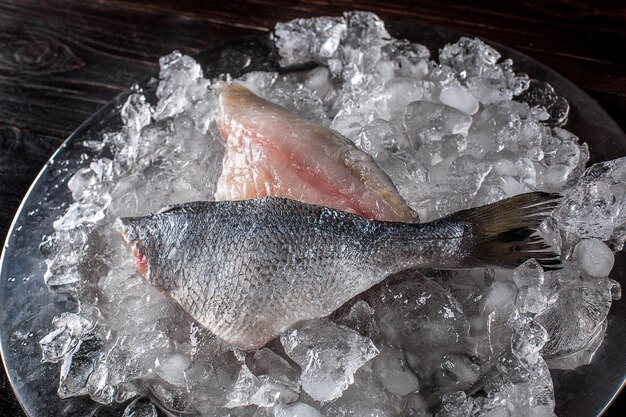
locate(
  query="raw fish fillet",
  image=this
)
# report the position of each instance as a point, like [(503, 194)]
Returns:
[(248, 270), (273, 152)]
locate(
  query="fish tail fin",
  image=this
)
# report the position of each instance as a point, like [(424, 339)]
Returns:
[(503, 234)]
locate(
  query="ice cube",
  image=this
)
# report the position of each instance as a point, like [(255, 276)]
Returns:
[(382, 140), (360, 318), (171, 367), (543, 95), (182, 87), (461, 369), (528, 340), (574, 315), (266, 362), (581, 357), (528, 274), (141, 407), (399, 92), (81, 181), (300, 99), (78, 366), (556, 177), (428, 122), (260, 82), (393, 372), (418, 315), (71, 328), (328, 355), (594, 257), (459, 97), (133, 356), (264, 391), (455, 404), (297, 410), (365, 397), (410, 59), (56, 344), (318, 81), (303, 40), (593, 208), (466, 53), (477, 64), (135, 115), (416, 406), (172, 398), (531, 300), (79, 215), (529, 278)]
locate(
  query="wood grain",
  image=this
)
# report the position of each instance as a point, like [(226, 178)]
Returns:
[(62, 60)]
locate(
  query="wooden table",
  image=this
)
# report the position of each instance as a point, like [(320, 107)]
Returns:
[(60, 60)]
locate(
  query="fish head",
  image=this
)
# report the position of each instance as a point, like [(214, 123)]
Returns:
[(129, 228), (151, 242)]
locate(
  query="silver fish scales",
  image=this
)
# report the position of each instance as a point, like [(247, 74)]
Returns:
[(248, 270)]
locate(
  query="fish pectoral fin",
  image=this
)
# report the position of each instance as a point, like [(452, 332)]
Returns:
[(504, 234)]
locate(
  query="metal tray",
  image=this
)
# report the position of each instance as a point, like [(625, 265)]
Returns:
[(28, 307)]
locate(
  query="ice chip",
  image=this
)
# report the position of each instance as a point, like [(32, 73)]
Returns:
[(79, 215), (365, 28), (80, 183), (329, 355)]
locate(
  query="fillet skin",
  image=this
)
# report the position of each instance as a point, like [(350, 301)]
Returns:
[(249, 270), (271, 152)]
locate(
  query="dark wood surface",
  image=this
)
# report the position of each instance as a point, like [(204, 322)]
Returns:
[(60, 60)]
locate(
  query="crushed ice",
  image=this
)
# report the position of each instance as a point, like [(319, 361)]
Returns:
[(459, 131)]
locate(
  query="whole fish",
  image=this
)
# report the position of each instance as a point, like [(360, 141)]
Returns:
[(248, 270), (272, 152)]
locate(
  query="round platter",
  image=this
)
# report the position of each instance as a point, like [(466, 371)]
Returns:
[(28, 307)]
